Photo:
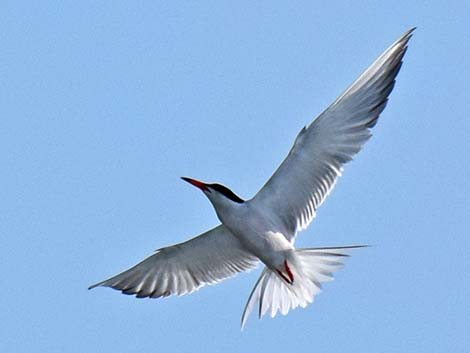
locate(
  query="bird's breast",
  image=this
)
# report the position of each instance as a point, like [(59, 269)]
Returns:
[(258, 235)]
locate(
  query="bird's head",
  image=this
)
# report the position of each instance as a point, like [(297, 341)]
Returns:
[(217, 194)]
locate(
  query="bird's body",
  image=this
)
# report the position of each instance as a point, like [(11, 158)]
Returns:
[(264, 228), (257, 231)]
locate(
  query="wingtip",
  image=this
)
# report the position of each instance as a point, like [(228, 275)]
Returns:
[(94, 285), (408, 34), (242, 326), (402, 41)]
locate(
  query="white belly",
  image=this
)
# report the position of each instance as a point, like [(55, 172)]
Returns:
[(259, 236)]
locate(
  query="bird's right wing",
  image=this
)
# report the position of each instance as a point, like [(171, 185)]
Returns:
[(183, 268), (308, 174)]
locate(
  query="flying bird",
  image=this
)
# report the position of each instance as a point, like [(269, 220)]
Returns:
[(264, 228)]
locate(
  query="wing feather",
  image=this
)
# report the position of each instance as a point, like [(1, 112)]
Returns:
[(308, 174), (183, 268)]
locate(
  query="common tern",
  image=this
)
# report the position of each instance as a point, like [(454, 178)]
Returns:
[(264, 228)]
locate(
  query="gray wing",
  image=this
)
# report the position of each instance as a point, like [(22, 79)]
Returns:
[(182, 268), (309, 172)]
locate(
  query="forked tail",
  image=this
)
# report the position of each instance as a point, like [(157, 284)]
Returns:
[(310, 267)]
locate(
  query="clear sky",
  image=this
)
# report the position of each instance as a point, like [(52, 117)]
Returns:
[(104, 105)]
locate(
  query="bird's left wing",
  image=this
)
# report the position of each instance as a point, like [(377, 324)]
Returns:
[(309, 172), (182, 268)]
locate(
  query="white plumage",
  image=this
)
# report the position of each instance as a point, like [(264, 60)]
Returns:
[(264, 228), (183, 268)]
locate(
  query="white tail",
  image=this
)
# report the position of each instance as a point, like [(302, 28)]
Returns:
[(310, 267)]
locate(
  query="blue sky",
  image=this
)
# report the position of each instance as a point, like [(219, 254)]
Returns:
[(105, 105)]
